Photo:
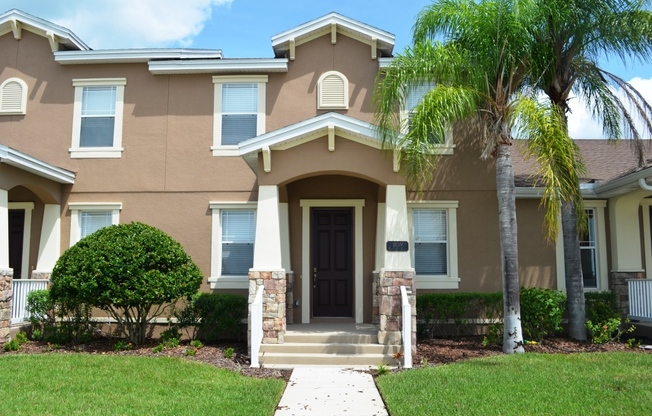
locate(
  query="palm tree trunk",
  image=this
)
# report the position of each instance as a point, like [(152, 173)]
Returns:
[(573, 270), (512, 334)]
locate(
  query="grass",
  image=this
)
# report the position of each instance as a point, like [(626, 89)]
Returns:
[(525, 384), (80, 384)]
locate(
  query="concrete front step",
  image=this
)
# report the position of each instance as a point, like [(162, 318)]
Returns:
[(352, 345)]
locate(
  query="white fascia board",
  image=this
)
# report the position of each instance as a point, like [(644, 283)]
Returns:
[(384, 62), (217, 66), (132, 55), (344, 126), (623, 185), (537, 193), (41, 27), (362, 29), (38, 167)]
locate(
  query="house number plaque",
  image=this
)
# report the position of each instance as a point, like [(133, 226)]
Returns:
[(397, 246)]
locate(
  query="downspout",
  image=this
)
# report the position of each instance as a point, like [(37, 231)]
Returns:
[(644, 185)]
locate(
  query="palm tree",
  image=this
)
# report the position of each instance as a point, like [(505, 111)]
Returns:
[(479, 72), (572, 35)]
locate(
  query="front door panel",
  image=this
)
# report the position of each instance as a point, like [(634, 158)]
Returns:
[(332, 262)]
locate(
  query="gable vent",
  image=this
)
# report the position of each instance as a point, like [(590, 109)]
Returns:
[(13, 96), (333, 91)]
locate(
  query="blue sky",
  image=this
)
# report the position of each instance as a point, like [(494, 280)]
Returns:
[(243, 28)]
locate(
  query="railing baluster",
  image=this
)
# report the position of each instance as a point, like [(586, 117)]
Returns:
[(20, 289), (640, 299)]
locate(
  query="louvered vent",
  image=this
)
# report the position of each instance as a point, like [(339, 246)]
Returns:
[(333, 91), (13, 97)]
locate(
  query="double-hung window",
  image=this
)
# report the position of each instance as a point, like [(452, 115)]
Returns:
[(232, 253), (86, 218), (414, 97), (588, 252), (239, 111), (434, 244), (97, 122)]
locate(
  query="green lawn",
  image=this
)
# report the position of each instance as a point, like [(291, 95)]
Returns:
[(525, 384), (81, 384)]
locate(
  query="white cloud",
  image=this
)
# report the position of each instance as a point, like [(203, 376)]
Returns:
[(116, 24), (581, 125)]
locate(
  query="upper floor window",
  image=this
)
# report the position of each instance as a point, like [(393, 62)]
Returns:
[(415, 96), (86, 218), (97, 118), (333, 91), (434, 244), (13, 97), (239, 111)]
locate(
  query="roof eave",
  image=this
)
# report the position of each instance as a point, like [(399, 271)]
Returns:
[(132, 55), (37, 167), (204, 66)]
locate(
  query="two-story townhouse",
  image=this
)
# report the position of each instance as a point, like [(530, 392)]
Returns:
[(270, 173)]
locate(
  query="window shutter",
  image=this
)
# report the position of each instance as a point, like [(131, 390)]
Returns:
[(92, 221), (430, 241), (238, 233), (332, 92), (12, 97)]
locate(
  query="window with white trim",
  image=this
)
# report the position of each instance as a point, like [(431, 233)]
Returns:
[(86, 218), (13, 97), (232, 251), (239, 111), (589, 252), (332, 91), (97, 118), (434, 244), (415, 96)]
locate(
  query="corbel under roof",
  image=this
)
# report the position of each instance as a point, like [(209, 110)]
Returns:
[(16, 21)]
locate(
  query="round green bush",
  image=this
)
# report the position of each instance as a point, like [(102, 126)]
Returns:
[(129, 270)]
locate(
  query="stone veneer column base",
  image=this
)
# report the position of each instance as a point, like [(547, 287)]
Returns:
[(619, 286), (375, 316), (389, 306), (6, 276), (274, 304), (40, 275), (289, 298)]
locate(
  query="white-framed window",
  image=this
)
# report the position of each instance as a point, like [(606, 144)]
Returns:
[(232, 244), (433, 226), (589, 252), (86, 218), (13, 97), (97, 118), (415, 95), (332, 91), (239, 111)]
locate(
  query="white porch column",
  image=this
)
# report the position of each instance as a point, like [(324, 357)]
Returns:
[(625, 232), (284, 220), (267, 247), (50, 246), (4, 229), (396, 228), (380, 236)]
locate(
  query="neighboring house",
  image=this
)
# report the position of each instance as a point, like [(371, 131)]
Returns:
[(270, 173)]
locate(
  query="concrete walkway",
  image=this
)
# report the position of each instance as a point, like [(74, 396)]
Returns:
[(330, 391)]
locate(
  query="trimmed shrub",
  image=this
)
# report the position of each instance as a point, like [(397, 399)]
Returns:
[(445, 314), (541, 312), (132, 271), (215, 316), (601, 306)]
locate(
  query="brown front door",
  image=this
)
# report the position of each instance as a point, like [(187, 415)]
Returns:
[(332, 262), (16, 227)]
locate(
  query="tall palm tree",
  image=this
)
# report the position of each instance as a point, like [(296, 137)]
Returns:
[(479, 72), (570, 37)]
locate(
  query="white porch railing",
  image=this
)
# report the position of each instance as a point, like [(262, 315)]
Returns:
[(407, 328), (640, 299), (256, 326), (20, 289)]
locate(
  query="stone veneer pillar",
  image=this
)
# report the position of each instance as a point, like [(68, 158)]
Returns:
[(274, 305), (6, 276), (389, 306), (619, 286), (289, 298)]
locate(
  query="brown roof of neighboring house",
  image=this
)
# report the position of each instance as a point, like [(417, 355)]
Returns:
[(605, 160)]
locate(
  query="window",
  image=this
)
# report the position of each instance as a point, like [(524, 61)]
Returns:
[(86, 218), (239, 111), (434, 244), (97, 122), (13, 97), (333, 91), (588, 252), (414, 97), (232, 251)]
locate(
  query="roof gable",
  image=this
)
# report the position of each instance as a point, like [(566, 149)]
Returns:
[(334, 24), (60, 38)]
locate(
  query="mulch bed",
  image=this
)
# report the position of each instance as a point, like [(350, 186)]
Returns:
[(432, 352)]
